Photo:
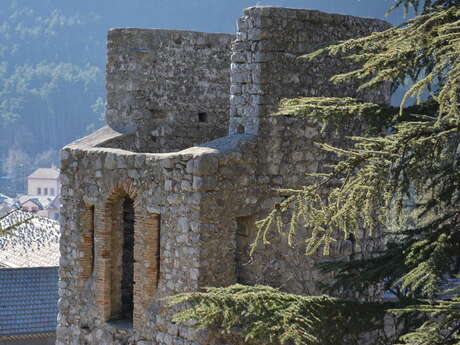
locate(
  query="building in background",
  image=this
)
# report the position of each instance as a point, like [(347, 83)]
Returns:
[(43, 190), (44, 182), (45, 206)]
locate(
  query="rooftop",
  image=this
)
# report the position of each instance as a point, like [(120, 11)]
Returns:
[(45, 173), (5, 199), (28, 301), (32, 244), (43, 202)]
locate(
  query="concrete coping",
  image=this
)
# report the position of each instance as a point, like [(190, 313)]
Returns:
[(217, 147)]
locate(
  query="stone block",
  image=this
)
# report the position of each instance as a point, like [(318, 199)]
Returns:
[(206, 164), (242, 24), (258, 34), (167, 163), (110, 161), (139, 161), (241, 77), (273, 169), (65, 154), (297, 156), (186, 186), (204, 183), (239, 57), (133, 173)]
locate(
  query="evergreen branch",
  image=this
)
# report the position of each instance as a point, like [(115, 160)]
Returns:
[(264, 313)]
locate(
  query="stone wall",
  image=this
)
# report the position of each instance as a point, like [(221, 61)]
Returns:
[(195, 208), (266, 68), (283, 162), (181, 188), (168, 88)]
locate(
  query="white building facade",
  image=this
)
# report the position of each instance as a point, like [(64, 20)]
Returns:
[(44, 182)]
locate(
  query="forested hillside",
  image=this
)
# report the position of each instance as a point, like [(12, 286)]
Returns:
[(51, 82), (52, 56)]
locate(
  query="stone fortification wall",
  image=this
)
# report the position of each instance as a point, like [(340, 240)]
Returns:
[(240, 193), (265, 67), (287, 150), (169, 88), (194, 209), (181, 189)]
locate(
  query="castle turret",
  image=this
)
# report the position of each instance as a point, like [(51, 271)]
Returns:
[(266, 65), (167, 88)]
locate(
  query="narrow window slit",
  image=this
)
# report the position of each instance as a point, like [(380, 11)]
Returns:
[(127, 279), (245, 233), (202, 117)]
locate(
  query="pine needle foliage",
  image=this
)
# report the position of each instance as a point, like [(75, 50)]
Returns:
[(333, 112), (440, 328), (264, 313), (420, 6), (425, 49), (400, 180)]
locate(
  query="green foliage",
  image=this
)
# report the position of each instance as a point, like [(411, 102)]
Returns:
[(422, 6), (426, 49), (264, 313), (47, 85), (440, 328), (398, 182), (333, 112)]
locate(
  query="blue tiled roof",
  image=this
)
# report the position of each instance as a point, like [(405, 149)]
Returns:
[(28, 300)]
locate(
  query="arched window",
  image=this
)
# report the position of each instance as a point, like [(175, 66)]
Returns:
[(121, 219), (127, 258)]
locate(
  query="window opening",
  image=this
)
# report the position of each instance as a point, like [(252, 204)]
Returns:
[(245, 233), (127, 278), (202, 117), (123, 301)]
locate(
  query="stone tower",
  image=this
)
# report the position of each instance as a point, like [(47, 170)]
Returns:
[(164, 199)]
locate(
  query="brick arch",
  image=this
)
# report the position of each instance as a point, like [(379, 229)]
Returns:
[(146, 254), (120, 190)]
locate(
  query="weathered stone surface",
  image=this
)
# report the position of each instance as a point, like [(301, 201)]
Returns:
[(274, 44), (194, 207), (169, 87)]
